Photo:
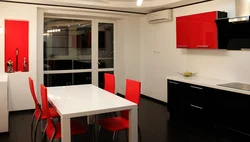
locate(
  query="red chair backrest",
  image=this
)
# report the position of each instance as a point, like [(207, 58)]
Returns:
[(32, 91), (45, 107), (109, 83), (133, 94)]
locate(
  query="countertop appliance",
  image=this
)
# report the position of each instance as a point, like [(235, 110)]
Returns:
[(237, 85)]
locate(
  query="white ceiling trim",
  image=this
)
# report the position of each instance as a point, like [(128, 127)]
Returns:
[(128, 6), (120, 4)]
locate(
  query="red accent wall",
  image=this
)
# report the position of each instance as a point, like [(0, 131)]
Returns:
[(16, 36)]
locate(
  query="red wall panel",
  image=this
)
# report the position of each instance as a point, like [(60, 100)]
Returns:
[(16, 37)]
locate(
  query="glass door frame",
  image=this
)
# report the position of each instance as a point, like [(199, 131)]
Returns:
[(94, 49), (95, 52)]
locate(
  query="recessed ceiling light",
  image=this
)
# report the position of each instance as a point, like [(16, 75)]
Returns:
[(139, 2)]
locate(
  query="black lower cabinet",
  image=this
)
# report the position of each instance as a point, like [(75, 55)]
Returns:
[(221, 115), (177, 102), (233, 113)]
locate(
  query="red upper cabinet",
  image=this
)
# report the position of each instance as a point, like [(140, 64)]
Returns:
[(198, 31), (183, 31)]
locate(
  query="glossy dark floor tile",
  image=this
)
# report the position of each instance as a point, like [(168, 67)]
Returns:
[(153, 119)]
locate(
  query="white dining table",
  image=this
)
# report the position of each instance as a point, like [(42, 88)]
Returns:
[(88, 100)]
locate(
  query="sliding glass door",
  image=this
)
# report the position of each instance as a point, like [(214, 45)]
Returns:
[(72, 55), (105, 51)]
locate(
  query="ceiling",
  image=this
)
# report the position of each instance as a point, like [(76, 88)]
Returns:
[(117, 5)]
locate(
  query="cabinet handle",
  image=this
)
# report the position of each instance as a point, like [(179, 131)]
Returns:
[(196, 87), (182, 46), (173, 82), (196, 106), (202, 46)]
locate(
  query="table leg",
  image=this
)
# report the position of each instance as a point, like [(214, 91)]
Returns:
[(91, 127), (133, 125), (65, 124), (91, 119)]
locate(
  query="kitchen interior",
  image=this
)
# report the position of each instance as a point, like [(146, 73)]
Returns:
[(217, 107), (190, 56)]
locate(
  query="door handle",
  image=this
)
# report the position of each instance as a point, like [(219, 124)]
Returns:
[(173, 82), (202, 46), (196, 87), (183, 46), (196, 106)]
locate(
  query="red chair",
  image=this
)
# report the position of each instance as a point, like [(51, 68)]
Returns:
[(38, 113), (52, 130), (109, 83), (116, 124)]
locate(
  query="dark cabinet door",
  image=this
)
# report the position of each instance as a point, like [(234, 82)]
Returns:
[(233, 111), (177, 103), (200, 106)]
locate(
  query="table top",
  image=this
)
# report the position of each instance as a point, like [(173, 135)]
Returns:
[(82, 100)]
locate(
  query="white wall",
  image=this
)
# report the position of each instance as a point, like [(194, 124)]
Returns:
[(18, 89), (127, 52), (221, 64), (127, 48)]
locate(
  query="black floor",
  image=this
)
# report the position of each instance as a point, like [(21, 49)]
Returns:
[(153, 120)]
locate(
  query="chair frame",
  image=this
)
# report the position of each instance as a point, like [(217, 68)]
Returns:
[(126, 130)]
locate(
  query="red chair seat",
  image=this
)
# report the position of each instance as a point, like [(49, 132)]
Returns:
[(114, 123), (52, 112), (76, 128)]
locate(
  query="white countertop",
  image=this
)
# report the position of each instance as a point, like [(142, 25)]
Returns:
[(207, 82)]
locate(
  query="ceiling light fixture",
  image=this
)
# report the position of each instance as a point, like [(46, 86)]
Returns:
[(53, 30), (139, 2)]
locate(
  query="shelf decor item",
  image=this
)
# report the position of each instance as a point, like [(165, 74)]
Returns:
[(10, 66), (25, 66), (187, 74)]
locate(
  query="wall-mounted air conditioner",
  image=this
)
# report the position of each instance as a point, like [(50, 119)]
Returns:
[(160, 16)]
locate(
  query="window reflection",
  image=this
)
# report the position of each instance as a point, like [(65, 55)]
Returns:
[(67, 44), (67, 79), (106, 45)]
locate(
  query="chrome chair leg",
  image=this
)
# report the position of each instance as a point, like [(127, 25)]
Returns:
[(113, 136), (99, 136), (139, 133), (44, 133), (126, 132), (36, 125), (31, 128)]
